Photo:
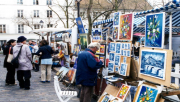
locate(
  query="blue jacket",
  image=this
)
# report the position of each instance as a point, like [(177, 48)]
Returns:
[(46, 52), (87, 66)]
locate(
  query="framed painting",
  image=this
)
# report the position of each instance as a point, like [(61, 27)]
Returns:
[(153, 63), (116, 19), (126, 45), (123, 69), (126, 27), (117, 60), (124, 52), (115, 33), (123, 45), (111, 67), (106, 98), (146, 93), (118, 48), (154, 30), (83, 41), (96, 34), (116, 69), (129, 46), (76, 49), (111, 56), (102, 49), (102, 58), (112, 47), (123, 92)]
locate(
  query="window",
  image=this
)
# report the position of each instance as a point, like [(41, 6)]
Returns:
[(35, 2), (36, 13), (20, 28), (20, 13), (19, 1), (36, 26), (2, 28), (49, 2), (49, 25), (49, 13)]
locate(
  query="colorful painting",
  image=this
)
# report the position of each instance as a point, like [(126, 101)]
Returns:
[(116, 18), (154, 33), (96, 34), (102, 58), (83, 41), (123, 69), (122, 93), (101, 50), (112, 47), (75, 64), (111, 56), (117, 60), (126, 27), (115, 33), (105, 99), (118, 48), (76, 49), (146, 94), (71, 75), (153, 63), (111, 67)]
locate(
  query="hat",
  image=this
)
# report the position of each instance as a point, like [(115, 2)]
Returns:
[(21, 39), (95, 44), (11, 41)]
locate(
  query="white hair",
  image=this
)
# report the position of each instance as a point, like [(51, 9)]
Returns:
[(95, 44)]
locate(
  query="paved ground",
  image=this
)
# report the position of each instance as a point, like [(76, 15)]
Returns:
[(39, 92)]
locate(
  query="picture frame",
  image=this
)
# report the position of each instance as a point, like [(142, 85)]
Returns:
[(83, 41), (96, 34), (123, 69), (112, 47), (117, 60), (111, 56), (116, 18), (118, 48), (111, 67)]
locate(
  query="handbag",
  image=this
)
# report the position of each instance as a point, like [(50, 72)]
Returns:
[(15, 61), (10, 56), (36, 59)]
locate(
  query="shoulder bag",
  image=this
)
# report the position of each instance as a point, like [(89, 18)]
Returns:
[(15, 61), (10, 56)]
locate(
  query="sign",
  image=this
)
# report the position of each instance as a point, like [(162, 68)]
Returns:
[(80, 25)]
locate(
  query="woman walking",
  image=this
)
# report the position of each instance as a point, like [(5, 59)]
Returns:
[(45, 51), (25, 65), (10, 80)]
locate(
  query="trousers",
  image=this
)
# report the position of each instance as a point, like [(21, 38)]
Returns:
[(45, 67), (10, 76), (86, 93), (23, 77)]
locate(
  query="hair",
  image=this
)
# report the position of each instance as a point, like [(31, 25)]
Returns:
[(43, 42)]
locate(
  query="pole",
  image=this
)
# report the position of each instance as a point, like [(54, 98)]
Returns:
[(78, 4), (170, 31)]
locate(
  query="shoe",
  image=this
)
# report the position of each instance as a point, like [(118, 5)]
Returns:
[(48, 81), (42, 81), (21, 87), (13, 84), (36, 70), (26, 88)]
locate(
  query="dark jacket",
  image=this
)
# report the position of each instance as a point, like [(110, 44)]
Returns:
[(46, 52), (87, 67), (6, 52)]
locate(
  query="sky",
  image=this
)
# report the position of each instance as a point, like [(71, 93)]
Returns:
[(158, 3)]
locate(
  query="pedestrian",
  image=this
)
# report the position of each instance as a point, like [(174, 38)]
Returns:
[(34, 50), (10, 76), (30, 44), (25, 65), (86, 75), (45, 51), (3, 48)]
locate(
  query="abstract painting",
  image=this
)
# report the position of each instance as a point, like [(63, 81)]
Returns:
[(83, 41), (122, 93), (118, 48), (115, 33), (153, 63), (154, 33), (126, 27), (123, 69), (101, 50), (111, 56), (105, 99), (128, 53), (96, 34), (112, 47), (111, 67), (146, 94), (102, 58), (124, 52), (117, 60), (116, 18), (124, 59)]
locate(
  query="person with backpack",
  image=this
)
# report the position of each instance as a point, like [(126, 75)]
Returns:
[(25, 65)]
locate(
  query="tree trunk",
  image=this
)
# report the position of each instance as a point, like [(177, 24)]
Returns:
[(67, 15), (89, 19)]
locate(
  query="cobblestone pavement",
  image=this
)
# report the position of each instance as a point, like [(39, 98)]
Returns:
[(39, 92)]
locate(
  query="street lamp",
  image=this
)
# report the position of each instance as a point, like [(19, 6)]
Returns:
[(41, 23), (78, 4)]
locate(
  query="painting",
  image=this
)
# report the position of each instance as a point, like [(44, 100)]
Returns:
[(153, 63), (124, 59), (126, 27), (146, 93), (118, 48), (67, 63), (124, 52), (116, 69), (62, 72), (111, 56), (75, 64), (126, 45), (65, 48), (115, 33), (97, 56), (116, 19), (123, 92), (123, 69), (128, 53), (83, 41), (80, 25), (106, 98), (111, 67), (96, 34), (117, 60), (73, 59), (123, 45), (112, 47), (101, 50), (154, 30), (70, 75), (102, 58), (76, 49), (129, 46)]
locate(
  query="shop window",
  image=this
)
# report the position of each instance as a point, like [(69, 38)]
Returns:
[(49, 13), (36, 26), (49, 2), (49, 25), (35, 2)]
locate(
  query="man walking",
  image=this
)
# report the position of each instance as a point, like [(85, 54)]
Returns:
[(86, 74)]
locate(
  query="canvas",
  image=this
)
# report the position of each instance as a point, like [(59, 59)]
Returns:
[(111, 56), (126, 45), (123, 69), (111, 67), (124, 52), (153, 63), (105, 99), (117, 60), (76, 49), (123, 45), (129, 46), (118, 48), (154, 30), (124, 59), (146, 94), (96, 34), (116, 19), (71, 75), (123, 92), (101, 50), (128, 53), (75, 64), (112, 47), (126, 27), (115, 33), (83, 41), (62, 72), (67, 63)]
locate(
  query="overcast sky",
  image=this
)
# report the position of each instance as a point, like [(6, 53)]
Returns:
[(158, 3)]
